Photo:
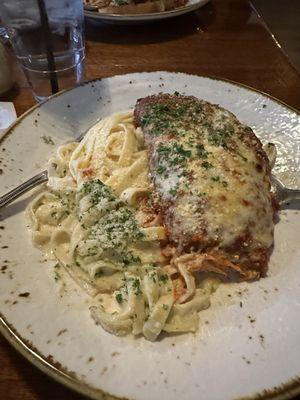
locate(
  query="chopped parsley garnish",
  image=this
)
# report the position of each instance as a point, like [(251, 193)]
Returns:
[(242, 157), (165, 307), (200, 151), (219, 137), (146, 120), (174, 190), (160, 108), (153, 265), (161, 169), (164, 278), (48, 140), (180, 111), (111, 225), (57, 275), (206, 165), (136, 285), (129, 258), (157, 117), (176, 150), (152, 275), (198, 108), (218, 179), (97, 191), (116, 227), (119, 298), (171, 155), (170, 117)]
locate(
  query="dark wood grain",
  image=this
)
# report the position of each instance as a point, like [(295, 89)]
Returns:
[(224, 39), (19, 380)]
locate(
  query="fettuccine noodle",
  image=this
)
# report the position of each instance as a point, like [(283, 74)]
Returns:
[(94, 219)]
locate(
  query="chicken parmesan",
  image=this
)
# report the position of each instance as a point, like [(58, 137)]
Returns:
[(211, 186)]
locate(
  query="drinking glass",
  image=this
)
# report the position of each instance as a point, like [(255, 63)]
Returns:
[(47, 38)]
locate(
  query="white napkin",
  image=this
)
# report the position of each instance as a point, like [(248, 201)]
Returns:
[(7, 116)]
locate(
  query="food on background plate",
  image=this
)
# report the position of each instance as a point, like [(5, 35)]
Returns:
[(125, 7), (153, 208)]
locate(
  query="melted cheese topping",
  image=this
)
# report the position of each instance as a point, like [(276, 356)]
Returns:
[(209, 171)]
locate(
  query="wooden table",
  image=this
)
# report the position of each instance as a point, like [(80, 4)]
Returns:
[(226, 39)]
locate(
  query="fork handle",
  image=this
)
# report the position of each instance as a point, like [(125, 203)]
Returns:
[(290, 196), (24, 187)]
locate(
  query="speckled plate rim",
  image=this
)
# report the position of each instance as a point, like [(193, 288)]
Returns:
[(283, 391), (145, 17)]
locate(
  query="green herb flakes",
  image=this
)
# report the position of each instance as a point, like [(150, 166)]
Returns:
[(47, 140), (174, 190), (111, 225), (206, 165), (136, 285), (219, 137), (200, 151), (119, 298), (57, 275), (164, 278)]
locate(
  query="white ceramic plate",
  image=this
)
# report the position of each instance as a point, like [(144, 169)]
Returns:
[(136, 18), (248, 341)]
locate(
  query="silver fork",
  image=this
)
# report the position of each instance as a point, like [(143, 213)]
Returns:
[(283, 194), (23, 188), (36, 180)]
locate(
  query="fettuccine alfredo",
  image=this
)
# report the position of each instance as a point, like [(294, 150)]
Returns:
[(94, 218)]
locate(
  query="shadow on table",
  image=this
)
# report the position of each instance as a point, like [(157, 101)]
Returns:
[(151, 32), (39, 385), (11, 94)]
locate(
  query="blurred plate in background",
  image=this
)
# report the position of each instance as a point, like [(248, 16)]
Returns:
[(138, 18)]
